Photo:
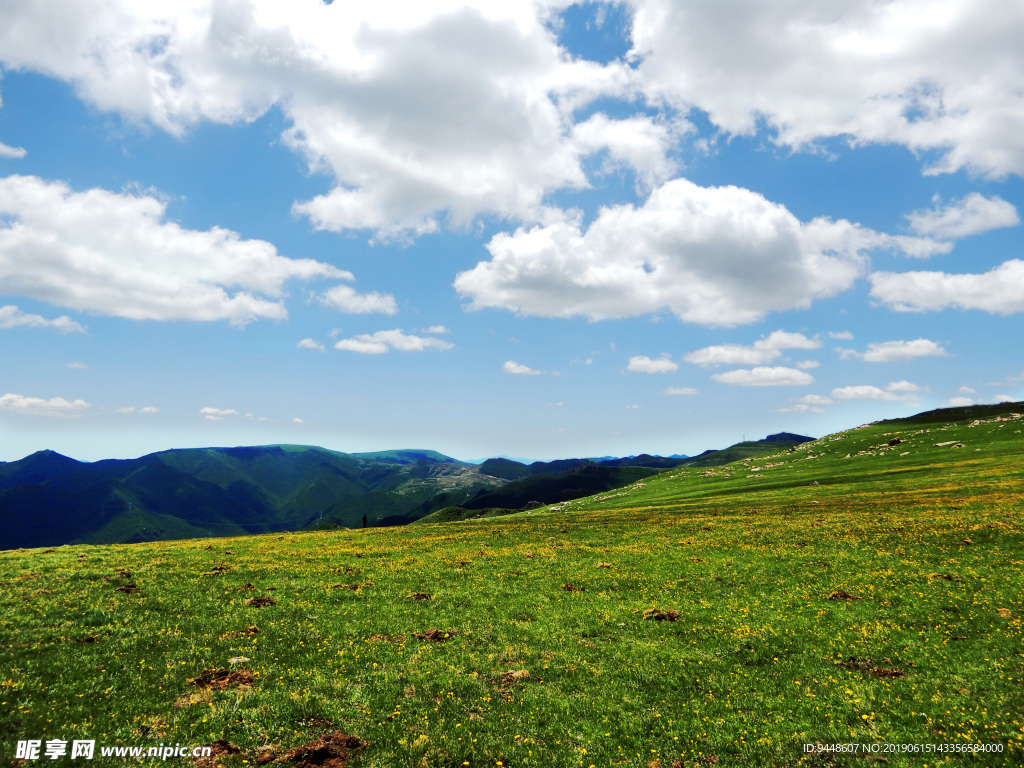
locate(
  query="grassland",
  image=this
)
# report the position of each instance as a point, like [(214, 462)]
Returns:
[(854, 590)]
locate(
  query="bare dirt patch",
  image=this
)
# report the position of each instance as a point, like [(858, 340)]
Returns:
[(129, 589), (332, 750), (259, 602), (419, 596), (222, 679), (866, 664), (656, 614), (218, 749)]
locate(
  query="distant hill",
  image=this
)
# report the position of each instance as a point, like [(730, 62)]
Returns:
[(47, 499)]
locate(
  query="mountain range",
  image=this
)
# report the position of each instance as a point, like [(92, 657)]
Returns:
[(47, 499)]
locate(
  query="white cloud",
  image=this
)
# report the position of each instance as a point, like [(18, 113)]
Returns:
[(892, 351), (640, 143), (1006, 399), (643, 364), (37, 406), (436, 329), (999, 291), (217, 414), (971, 215), (808, 365), (419, 112), (380, 342), (77, 366), (844, 335), (711, 255), (12, 317), (132, 409), (807, 404), (632, 407), (958, 402), (345, 299), (967, 391), (297, 420), (116, 254), (511, 366), (680, 391), (11, 153), (149, 409), (897, 390), (763, 350), (310, 344), (763, 376), (931, 75)]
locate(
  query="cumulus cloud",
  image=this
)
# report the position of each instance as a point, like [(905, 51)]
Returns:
[(680, 391), (217, 414), (957, 402), (897, 390), (965, 390), (1000, 291), (643, 364), (345, 299), (931, 75), (442, 109), (764, 350), (11, 153), (12, 317), (517, 369), (896, 351), (116, 254), (807, 404), (765, 376), (971, 215), (382, 341), (711, 255), (310, 344), (37, 406), (844, 335), (133, 409), (436, 329)]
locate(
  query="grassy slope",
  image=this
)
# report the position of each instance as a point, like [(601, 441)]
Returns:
[(759, 662)]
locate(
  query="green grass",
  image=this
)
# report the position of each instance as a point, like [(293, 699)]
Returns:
[(759, 662)]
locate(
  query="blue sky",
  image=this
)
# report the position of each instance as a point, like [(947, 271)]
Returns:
[(532, 229)]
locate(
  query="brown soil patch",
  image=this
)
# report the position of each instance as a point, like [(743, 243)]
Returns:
[(332, 750), (656, 614), (436, 635), (221, 679), (945, 576), (352, 587), (867, 664), (842, 594), (129, 589), (460, 563), (514, 678), (218, 748), (259, 602), (248, 585), (571, 588), (604, 565), (217, 570), (419, 596)]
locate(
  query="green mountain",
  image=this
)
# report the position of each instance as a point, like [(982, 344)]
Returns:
[(47, 499)]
